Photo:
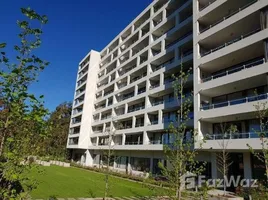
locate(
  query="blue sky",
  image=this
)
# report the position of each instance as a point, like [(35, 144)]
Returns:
[(75, 27)]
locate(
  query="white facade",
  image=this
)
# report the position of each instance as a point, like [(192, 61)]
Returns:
[(127, 87), (230, 66)]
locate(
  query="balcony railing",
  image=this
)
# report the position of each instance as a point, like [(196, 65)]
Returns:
[(153, 142), (163, 65), (231, 42), (153, 122), (106, 117), (139, 125), (141, 91), (154, 86), (138, 78), (228, 16), (235, 69), (228, 136), (207, 5), (107, 93), (134, 143), (136, 109), (178, 40), (235, 102)]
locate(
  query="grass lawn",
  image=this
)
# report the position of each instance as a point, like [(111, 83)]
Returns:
[(74, 183)]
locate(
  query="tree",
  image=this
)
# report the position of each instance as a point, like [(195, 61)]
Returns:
[(22, 114), (180, 153), (262, 155), (55, 144), (223, 157)]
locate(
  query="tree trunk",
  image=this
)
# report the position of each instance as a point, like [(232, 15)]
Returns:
[(2, 144)]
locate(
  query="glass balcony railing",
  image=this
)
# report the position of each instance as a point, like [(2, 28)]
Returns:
[(141, 91), (235, 102), (235, 69), (228, 136), (228, 16), (153, 122), (231, 42)]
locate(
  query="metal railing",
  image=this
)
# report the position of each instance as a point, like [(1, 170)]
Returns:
[(136, 109), (235, 69), (228, 16), (141, 91), (164, 64), (235, 102), (154, 122), (228, 136), (231, 42), (156, 142), (154, 86), (207, 5), (139, 125), (134, 143), (178, 40)]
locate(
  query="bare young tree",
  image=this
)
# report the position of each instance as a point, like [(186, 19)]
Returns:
[(262, 155), (180, 152), (223, 158)]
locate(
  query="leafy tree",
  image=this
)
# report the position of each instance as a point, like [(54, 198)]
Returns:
[(180, 153), (59, 120), (22, 114)]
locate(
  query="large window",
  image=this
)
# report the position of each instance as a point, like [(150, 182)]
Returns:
[(140, 164)]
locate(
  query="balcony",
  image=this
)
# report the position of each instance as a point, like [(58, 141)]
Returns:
[(231, 42), (234, 136), (228, 16), (235, 69), (136, 109), (134, 143), (178, 40), (163, 65), (154, 86), (235, 102), (202, 7)]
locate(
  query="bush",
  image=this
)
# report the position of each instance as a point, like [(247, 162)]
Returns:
[(124, 175)]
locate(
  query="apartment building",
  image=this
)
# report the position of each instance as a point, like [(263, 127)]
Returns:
[(230, 77), (126, 89)]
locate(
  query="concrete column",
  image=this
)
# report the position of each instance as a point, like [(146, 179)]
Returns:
[(104, 127), (214, 171), (123, 139), (149, 69), (129, 165), (106, 103), (147, 102), (146, 119), (102, 93), (151, 25), (140, 34), (100, 116), (89, 159), (128, 79), (126, 108), (151, 11), (145, 138), (132, 28), (97, 141), (114, 100), (247, 165), (164, 15), (138, 60), (163, 44), (160, 116), (148, 85), (133, 122), (162, 79), (136, 90)]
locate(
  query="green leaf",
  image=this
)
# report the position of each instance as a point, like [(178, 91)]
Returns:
[(3, 45)]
